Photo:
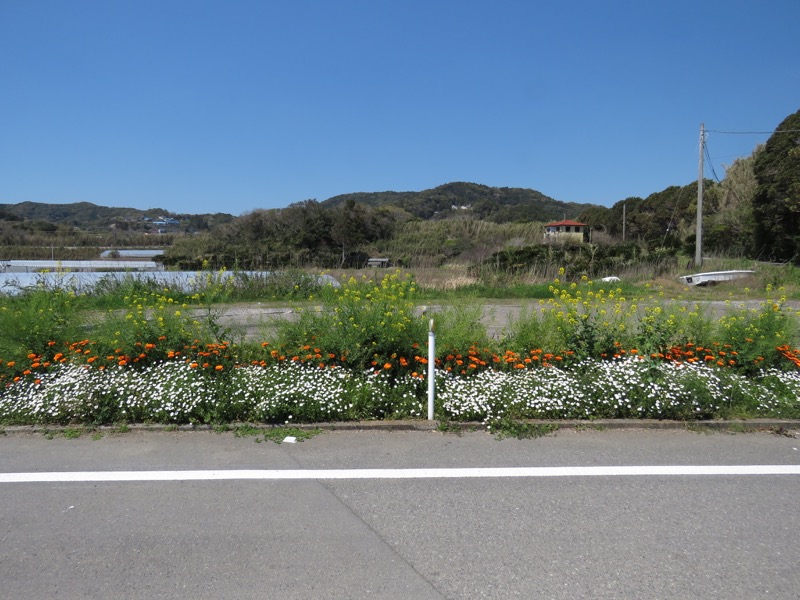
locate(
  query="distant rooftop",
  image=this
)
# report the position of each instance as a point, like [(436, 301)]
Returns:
[(567, 223)]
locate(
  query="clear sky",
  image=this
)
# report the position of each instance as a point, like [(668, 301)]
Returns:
[(227, 106)]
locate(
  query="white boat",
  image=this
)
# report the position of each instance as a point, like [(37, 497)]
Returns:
[(714, 277)]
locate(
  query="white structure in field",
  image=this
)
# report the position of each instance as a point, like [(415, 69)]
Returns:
[(564, 231)]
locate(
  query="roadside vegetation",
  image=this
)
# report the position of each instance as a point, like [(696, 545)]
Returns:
[(586, 350)]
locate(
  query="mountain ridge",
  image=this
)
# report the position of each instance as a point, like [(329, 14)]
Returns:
[(449, 200)]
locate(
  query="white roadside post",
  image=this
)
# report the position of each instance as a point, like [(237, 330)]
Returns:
[(431, 369)]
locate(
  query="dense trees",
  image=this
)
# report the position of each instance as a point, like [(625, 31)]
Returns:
[(302, 234), (663, 219), (776, 204), (730, 230)]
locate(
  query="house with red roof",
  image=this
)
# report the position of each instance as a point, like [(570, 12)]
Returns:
[(565, 231)]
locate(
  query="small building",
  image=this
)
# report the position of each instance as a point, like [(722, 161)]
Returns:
[(379, 263), (565, 231)]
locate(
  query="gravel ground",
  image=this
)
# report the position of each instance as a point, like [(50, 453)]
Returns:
[(253, 320)]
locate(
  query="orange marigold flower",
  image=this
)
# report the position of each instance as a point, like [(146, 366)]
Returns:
[(387, 365), (218, 368)]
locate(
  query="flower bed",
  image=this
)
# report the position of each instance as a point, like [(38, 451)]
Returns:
[(174, 392), (587, 353)]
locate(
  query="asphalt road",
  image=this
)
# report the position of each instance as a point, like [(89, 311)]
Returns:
[(631, 536)]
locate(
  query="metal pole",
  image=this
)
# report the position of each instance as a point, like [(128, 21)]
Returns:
[(623, 221), (431, 369), (698, 246)]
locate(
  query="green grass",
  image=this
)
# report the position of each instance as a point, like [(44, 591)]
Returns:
[(503, 428), (275, 434)]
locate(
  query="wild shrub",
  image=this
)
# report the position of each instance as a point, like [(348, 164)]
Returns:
[(365, 324)]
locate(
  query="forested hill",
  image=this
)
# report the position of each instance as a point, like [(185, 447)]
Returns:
[(88, 216), (76, 214), (500, 205)]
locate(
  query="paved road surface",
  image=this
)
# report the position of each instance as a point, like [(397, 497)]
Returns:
[(629, 536)]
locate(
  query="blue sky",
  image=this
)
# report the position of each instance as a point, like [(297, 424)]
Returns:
[(209, 106)]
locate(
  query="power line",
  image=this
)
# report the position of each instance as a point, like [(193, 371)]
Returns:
[(710, 163), (753, 132)]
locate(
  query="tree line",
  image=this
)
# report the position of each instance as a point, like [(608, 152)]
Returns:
[(754, 212)]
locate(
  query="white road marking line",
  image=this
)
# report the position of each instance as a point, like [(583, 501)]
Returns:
[(310, 474)]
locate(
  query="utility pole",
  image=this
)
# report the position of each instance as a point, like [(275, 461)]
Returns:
[(698, 245), (623, 221)]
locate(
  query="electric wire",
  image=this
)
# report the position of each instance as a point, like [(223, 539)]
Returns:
[(711, 163), (753, 132)]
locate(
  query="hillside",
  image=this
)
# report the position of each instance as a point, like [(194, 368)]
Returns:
[(498, 205), (88, 216)]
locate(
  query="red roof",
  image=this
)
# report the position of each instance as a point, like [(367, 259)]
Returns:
[(567, 224)]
